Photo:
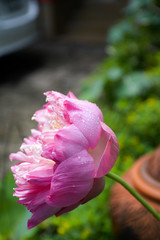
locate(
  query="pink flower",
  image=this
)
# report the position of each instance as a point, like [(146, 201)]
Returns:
[(63, 163)]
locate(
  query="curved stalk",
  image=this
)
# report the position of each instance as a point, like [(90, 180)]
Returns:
[(120, 180)]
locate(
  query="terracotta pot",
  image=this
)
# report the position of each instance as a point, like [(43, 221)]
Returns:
[(131, 220)]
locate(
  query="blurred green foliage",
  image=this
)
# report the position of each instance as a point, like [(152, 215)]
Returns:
[(13, 216), (131, 68), (126, 87)]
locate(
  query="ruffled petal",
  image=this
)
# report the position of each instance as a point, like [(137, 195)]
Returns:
[(40, 176), (106, 152), (72, 180), (20, 156), (32, 197), (71, 95), (40, 115), (53, 96)]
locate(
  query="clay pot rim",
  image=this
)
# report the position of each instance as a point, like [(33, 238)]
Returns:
[(143, 181), (147, 176)]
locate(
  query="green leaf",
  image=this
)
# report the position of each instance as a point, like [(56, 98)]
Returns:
[(134, 85), (93, 91), (118, 32), (114, 73)]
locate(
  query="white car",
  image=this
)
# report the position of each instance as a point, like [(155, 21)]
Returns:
[(18, 24)]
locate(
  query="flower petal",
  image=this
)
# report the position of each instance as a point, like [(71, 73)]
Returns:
[(20, 156), (106, 151), (97, 188), (67, 209), (69, 141), (71, 95), (72, 180), (41, 213), (86, 116)]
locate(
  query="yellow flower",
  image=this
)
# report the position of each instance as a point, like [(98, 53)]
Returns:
[(85, 233), (63, 228)]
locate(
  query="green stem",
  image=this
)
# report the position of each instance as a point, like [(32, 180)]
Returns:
[(118, 179)]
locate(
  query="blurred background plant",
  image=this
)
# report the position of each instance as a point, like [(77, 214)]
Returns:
[(131, 68), (126, 87)]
